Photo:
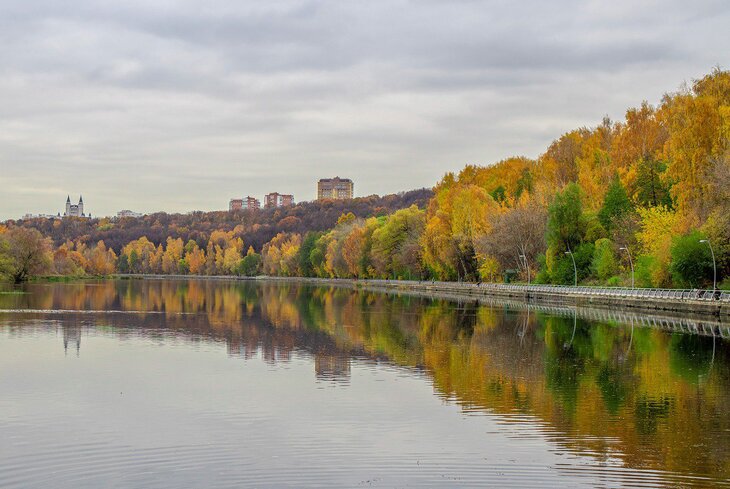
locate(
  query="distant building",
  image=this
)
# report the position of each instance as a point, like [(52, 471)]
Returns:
[(128, 213), (249, 203), (74, 210), (276, 199), (235, 205), (252, 203), (335, 188), (41, 216)]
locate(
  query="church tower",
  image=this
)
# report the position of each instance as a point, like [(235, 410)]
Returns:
[(74, 210)]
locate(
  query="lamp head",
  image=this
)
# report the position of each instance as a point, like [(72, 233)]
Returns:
[(703, 241)]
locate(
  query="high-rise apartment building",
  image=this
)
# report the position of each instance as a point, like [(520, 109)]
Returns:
[(276, 199), (235, 205), (335, 188), (252, 203), (249, 203), (286, 200)]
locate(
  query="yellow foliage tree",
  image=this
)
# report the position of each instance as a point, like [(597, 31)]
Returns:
[(698, 122), (658, 226), (195, 258), (172, 256), (101, 261)]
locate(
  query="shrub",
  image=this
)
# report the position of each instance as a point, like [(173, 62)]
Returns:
[(691, 264), (614, 281)]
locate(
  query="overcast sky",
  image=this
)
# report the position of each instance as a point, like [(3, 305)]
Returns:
[(181, 105)]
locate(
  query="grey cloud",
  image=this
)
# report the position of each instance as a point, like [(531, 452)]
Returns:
[(178, 105)]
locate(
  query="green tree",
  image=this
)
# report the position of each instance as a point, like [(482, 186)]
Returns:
[(651, 187), (134, 262), (691, 264), (524, 183), (604, 264), (318, 255), (123, 264), (616, 203), (395, 244), (563, 272), (499, 194), (566, 228), (566, 225), (645, 268), (305, 251), (250, 265)]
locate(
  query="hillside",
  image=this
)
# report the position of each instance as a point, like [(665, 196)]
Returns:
[(255, 228)]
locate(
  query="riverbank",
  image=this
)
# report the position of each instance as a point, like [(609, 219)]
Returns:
[(697, 303)]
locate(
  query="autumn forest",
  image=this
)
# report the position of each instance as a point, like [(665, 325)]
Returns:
[(652, 191)]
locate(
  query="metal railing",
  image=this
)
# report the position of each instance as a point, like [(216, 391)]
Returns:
[(664, 322), (620, 292), (706, 295)]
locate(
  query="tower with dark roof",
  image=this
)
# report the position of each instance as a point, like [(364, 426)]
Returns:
[(74, 210)]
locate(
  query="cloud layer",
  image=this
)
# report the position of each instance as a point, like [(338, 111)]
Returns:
[(181, 105)]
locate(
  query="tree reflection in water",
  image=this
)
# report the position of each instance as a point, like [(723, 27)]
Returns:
[(658, 400)]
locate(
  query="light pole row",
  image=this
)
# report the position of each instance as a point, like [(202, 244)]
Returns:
[(631, 262)]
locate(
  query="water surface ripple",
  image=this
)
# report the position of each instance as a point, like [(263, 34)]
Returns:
[(169, 384)]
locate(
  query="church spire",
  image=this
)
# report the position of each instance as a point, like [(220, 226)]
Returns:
[(81, 200), (68, 199)]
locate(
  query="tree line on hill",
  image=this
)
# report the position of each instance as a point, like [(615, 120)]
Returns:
[(255, 227), (652, 191)]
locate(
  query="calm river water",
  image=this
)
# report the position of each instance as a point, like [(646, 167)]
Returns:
[(197, 383)]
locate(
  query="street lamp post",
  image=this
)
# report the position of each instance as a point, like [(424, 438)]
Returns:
[(714, 266), (527, 266), (575, 269), (630, 263)]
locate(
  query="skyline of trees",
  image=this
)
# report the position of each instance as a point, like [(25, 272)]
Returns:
[(652, 185)]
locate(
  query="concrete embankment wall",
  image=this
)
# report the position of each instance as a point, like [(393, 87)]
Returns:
[(700, 308), (533, 294)]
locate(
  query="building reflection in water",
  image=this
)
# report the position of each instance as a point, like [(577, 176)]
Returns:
[(72, 335), (335, 368), (237, 347)]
